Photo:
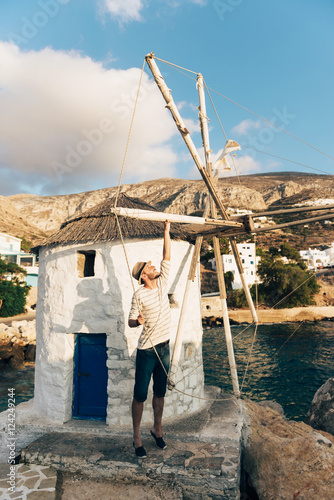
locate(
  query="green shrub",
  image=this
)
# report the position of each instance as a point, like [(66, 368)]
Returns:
[(13, 292), (13, 296)]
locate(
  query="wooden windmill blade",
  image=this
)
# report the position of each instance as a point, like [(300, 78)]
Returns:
[(170, 104), (215, 203)]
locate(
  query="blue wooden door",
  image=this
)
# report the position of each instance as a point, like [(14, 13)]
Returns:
[(90, 377)]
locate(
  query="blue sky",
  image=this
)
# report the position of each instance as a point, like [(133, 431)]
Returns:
[(70, 71)]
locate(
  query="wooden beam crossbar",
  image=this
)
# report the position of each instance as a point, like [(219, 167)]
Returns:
[(287, 211)]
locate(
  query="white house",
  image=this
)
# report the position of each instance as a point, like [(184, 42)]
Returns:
[(9, 243), (85, 351), (249, 261), (315, 258), (330, 253), (10, 251)]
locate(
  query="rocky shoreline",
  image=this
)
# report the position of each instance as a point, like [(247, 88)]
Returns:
[(17, 344)]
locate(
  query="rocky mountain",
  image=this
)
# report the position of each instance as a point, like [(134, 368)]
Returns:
[(34, 216), (13, 222)]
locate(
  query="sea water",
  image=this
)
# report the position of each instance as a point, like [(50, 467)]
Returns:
[(20, 380), (288, 364)]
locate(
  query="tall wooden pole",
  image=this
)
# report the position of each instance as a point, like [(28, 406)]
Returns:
[(170, 104), (216, 246), (180, 328)]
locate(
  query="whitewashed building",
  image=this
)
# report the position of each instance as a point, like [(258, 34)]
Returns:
[(314, 258), (249, 261), (85, 357), (330, 253), (10, 251), (9, 243)]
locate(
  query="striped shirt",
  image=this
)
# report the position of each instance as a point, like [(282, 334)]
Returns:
[(154, 305)]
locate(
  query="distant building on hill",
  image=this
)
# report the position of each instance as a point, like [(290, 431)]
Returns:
[(314, 258), (330, 252), (249, 261), (10, 251)]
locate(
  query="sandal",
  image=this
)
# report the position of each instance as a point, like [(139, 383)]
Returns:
[(140, 451), (159, 441)]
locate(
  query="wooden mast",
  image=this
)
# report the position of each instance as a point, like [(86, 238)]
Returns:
[(216, 246), (170, 104)]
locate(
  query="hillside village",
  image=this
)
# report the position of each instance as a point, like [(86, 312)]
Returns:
[(28, 219), (35, 217)]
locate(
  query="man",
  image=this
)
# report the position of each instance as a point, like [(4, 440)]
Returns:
[(150, 308)]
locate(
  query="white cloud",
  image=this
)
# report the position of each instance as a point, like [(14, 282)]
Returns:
[(65, 121), (244, 127), (201, 3), (130, 10), (123, 10), (245, 164)]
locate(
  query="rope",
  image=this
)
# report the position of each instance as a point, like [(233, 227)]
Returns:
[(124, 248), (123, 244), (293, 291), (285, 159), (287, 340), (221, 126), (129, 135), (249, 357), (300, 324), (175, 66), (256, 280), (273, 124)]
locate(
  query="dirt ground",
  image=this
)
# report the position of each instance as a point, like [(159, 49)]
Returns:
[(325, 297), (79, 487)]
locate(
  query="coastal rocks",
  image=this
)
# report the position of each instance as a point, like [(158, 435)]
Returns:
[(17, 343), (321, 412), (286, 459)]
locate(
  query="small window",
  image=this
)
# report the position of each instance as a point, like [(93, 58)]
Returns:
[(85, 263), (26, 261)]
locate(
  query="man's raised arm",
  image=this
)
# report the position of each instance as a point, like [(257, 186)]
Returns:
[(167, 244)]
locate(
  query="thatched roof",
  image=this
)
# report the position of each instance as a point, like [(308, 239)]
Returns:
[(98, 224)]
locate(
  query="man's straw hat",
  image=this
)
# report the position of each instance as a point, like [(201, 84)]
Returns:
[(138, 269)]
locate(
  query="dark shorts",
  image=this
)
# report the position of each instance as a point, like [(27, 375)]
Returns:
[(148, 364)]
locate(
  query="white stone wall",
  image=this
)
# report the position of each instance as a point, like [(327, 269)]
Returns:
[(100, 304)]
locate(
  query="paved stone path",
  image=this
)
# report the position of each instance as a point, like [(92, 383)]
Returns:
[(33, 482)]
